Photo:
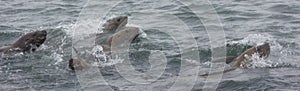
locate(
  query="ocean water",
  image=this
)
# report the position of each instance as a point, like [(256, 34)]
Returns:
[(175, 33)]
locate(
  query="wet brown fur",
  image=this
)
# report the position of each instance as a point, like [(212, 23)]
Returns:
[(26, 43), (262, 50)]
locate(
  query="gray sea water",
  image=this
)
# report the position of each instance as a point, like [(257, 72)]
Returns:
[(171, 27)]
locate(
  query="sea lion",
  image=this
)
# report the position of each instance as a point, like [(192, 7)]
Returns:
[(115, 31), (263, 51), (114, 34), (245, 58), (120, 38), (27, 43)]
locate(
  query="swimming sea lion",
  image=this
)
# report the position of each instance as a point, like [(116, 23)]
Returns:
[(263, 51), (26, 43), (115, 31), (120, 38), (114, 34), (227, 59)]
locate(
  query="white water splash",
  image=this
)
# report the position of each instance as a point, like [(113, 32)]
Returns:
[(112, 61), (258, 39), (57, 57), (258, 62), (262, 62), (68, 28), (98, 53), (253, 39), (104, 59)]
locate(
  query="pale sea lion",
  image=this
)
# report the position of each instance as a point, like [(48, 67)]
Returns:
[(244, 59), (114, 34), (115, 31), (26, 43), (120, 38)]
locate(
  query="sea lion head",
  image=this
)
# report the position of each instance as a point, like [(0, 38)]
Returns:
[(115, 23), (263, 50), (31, 41)]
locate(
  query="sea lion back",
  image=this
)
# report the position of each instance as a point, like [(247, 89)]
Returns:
[(263, 50), (244, 59)]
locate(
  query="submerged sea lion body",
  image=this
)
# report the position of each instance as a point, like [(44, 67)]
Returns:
[(78, 64), (26, 43), (227, 59)]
